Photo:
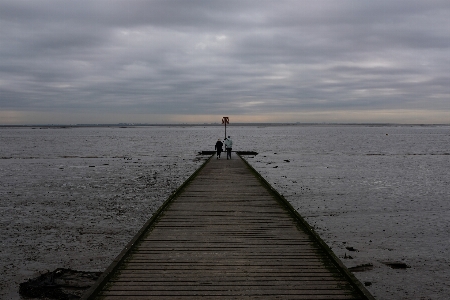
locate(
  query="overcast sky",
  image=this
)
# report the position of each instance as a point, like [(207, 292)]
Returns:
[(90, 61)]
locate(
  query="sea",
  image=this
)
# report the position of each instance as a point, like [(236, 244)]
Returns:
[(378, 195)]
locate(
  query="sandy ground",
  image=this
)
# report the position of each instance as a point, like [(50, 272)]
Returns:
[(79, 213), (382, 193), (73, 198), (63, 209)]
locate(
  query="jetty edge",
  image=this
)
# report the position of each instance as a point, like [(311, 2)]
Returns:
[(247, 237), (109, 272), (295, 214)]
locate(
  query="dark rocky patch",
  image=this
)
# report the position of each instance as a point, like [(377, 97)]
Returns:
[(351, 249), (63, 284), (397, 265), (361, 268)]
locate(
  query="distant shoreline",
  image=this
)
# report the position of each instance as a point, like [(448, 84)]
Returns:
[(130, 125)]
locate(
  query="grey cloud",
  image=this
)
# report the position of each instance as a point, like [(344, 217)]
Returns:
[(240, 57)]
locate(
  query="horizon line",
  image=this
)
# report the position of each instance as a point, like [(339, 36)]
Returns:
[(219, 124)]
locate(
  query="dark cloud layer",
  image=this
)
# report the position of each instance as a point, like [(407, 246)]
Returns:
[(278, 60)]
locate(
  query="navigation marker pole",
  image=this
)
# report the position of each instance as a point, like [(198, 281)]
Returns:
[(225, 121)]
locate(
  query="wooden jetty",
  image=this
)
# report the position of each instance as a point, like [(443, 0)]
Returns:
[(226, 234)]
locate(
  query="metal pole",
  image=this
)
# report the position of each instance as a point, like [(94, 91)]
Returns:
[(225, 121)]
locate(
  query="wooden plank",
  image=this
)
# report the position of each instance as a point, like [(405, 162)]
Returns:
[(329, 289), (221, 297), (238, 296), (226, 236), (301, 278), (303, 294), (226, 290), (303, 275)]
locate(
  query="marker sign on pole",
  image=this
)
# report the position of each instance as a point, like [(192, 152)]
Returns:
[(225, 121)]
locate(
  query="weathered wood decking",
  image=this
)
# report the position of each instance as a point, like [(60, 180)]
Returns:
[(227, 236)]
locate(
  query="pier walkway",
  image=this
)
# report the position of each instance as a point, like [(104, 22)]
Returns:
[(227, 235)]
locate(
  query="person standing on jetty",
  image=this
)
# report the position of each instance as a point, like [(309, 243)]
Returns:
[(218, 147), (228, 146)]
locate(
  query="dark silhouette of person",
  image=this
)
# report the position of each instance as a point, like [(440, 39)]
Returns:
[(218, 147)]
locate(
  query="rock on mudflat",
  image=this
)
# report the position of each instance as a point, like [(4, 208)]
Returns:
[(63, 284)]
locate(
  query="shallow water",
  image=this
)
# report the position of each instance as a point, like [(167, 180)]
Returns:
[(73, 197)]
